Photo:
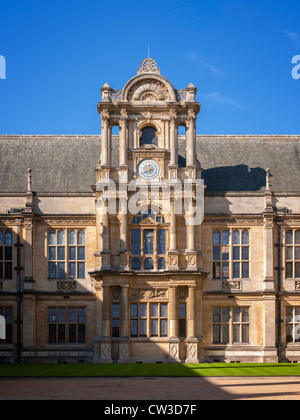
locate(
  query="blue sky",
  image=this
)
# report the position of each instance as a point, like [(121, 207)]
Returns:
[(238, 54)]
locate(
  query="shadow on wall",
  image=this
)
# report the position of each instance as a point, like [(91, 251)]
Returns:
[(234, 178)]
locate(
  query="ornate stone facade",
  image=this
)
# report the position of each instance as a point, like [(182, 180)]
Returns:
[(117, 271)]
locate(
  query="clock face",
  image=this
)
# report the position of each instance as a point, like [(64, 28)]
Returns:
[(149, 169)]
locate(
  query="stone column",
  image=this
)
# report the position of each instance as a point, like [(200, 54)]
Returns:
[(105, 237), (173, 232), (173, 326), (191, 139), (270, 352), (28, 251), (173, 145), (123, 139), (269, 282), (99, 322), (191, 239), (105, 139), (124, 347), (192, 341), (105, 354)]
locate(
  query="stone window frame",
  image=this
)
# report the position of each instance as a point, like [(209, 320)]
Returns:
[(292, 321), (8, 323), (147, 320), (66, 323), (231, 261), (160, 225), (229, 324), (66, 261), (292, 260), (4, 261)]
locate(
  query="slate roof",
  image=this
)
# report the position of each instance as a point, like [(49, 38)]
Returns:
[(66, 164)]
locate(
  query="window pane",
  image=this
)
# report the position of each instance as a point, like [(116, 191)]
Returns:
[(81, 270), (225, 334), (61, 270), (62, 315), (154, 310), (134, 311), (61, 333), (297, 270), (72, 316), (297, 237), (1, 253), (52, 334), (236, 270), (216, 315), (81, 237), (1, 271), (1, 237), (182, 328), (52, 315), (72, 333), (148, 264), (245, 315), (245, 333), (245, 237), (225, 315), (289, 270), (245, 253), (8, 253), (136, 263), (216, 334), (8, 315), (148, 242), (289, 237), (136, 241), (154, 327), (81, 253), (72, 270), (72, 237), (225, 237), (161, 239), (236, 314), (161, 263), (72, 253), (297, 253), (217, 253), (216, 237), (8, 270), (225, 253), (245, 267), (143, 328), (289, 333), (225, 270), (52, 271), (61, 253), (164, 310), (236, 333), (143, 310), (182, 310), (52, 253), (81, 315), (8, 237), (236, 237), (217, 270), (164, 328), (289, 315), (116, 311), (134, 328), (52, 237), (236, 253), (289, 253), (81, 333), (61, 237)]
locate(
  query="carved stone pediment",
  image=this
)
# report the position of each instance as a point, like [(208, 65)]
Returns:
[(148, 222)]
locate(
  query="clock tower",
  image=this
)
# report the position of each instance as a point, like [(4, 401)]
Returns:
[(148, 252)]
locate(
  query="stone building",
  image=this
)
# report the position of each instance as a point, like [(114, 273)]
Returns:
[(84, 278)]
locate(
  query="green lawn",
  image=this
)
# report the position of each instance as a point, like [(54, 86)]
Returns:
[(131, 370)]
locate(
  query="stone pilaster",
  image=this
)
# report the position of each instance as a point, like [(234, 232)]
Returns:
[(192, 341)]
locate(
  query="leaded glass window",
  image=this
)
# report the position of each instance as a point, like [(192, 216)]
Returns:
[(66, 325), (292, 254), (6, 254)]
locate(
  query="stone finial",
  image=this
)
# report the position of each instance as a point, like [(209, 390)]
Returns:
[(29, 180), (148, 65), (268, 177)]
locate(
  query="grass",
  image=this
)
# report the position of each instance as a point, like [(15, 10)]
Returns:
[(146, 370)]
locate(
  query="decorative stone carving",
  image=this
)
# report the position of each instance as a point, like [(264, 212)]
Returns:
[(297, 285), (149, 90), (232, 286), (66, 285), (124, 352), (148, 65), (174, 351), (173, 261), (150, 294)]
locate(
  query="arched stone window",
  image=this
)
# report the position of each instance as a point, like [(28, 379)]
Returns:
[(149, 136)]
